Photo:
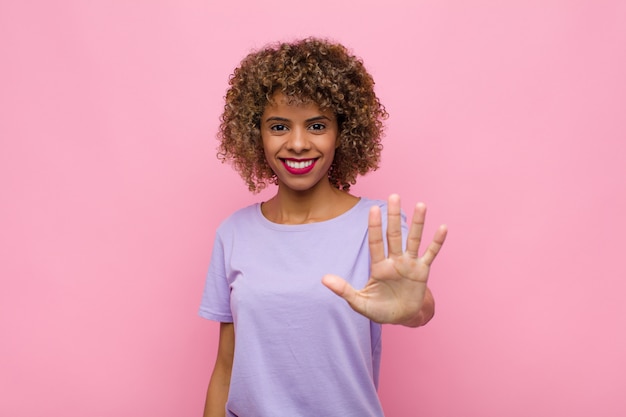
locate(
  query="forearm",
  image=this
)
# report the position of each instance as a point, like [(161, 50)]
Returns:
[(219, 385), (217, 394)]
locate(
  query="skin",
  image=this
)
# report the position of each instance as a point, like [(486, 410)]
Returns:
[(217, 393), (396, 291), (303, 133)]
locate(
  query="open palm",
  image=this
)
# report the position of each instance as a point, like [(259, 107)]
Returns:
[(397, 286)]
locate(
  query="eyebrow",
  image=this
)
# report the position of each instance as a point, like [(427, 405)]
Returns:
[(312, 119)]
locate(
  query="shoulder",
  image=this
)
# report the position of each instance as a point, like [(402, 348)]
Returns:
[(359, 214), (244, 217), (367, 203)]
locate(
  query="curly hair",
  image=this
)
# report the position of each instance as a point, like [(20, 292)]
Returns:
[(308, 70)]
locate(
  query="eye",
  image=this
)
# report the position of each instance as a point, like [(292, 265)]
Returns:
[(317, 126), (278, 128)]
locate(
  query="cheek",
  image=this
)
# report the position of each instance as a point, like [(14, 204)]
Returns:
[(264, 152), (337, 139), (267, 156), (265, 146), (269, 161)]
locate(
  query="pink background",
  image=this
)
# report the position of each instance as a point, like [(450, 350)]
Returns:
[(507, 119)]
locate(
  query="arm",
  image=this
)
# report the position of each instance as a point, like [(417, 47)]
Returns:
[(397, 290), (217, 393)]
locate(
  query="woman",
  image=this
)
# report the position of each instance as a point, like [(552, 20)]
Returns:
[(304, 116)]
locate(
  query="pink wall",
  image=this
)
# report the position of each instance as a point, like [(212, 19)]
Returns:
[(507, 118)]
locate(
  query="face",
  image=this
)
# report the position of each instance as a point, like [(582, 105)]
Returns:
[(299, 141)]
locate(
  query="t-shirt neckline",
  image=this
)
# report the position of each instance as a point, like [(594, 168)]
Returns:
[(297, 227)]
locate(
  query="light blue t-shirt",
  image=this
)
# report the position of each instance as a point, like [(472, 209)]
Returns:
[(300, 350)]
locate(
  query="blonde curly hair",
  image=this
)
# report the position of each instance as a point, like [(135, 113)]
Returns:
[(308, 70)]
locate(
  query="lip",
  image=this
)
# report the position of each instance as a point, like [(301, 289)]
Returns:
[(308, 163)]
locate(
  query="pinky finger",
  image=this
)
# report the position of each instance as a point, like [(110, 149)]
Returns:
[(435, 246)]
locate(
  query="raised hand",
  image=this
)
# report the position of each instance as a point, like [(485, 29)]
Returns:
[(397, 288)]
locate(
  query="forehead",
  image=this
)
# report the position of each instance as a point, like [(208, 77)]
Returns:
[(279, 102)]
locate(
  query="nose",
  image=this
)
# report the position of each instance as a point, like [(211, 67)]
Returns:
[(298, 140)]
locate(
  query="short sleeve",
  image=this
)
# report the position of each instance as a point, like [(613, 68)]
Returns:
[(215, 304)]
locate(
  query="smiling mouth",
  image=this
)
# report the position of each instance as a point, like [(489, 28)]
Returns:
[(299, 164), (298, 167)]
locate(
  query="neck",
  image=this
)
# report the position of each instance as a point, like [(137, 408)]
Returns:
[(320, 203)]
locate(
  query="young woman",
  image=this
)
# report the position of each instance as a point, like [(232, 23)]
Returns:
[(304, 116)]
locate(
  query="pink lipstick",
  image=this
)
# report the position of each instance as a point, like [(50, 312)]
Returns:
[(298, 166)]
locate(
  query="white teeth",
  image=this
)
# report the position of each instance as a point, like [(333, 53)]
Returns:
[(299, 164)]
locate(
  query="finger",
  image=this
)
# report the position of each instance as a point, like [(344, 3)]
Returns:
[(344, 290), (340, 287), (375, 235), (414, 239), (435, 246), (394, 226)]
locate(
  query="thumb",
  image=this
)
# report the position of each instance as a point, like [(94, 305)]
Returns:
[(340, 287)]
